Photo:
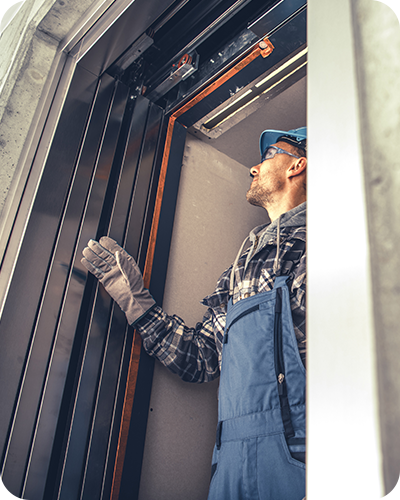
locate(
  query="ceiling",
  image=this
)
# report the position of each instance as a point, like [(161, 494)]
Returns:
[(285, 111)]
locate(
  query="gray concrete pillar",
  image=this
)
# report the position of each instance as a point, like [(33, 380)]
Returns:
[(344, 451), (31, 48), (377, 54)]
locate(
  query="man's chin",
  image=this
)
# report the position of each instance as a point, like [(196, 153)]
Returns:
[(253, 200)]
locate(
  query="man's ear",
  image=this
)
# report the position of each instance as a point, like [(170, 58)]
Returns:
[(297, 167)]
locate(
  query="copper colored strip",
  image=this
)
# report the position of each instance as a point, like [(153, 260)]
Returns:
[(137, 341), (264, 48), (157, 208), (126, 415)]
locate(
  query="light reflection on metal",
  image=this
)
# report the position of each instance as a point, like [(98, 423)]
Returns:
[(284, 66), (135, 51), (272, 80), (181, 70), (282, 13), (232, 104)]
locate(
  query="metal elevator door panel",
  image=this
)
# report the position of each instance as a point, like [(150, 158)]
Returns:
[(65, 347)]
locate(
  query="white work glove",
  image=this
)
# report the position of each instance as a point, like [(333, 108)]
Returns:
[(120, 276)]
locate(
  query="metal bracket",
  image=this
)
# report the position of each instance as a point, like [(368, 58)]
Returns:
[(180, 70)]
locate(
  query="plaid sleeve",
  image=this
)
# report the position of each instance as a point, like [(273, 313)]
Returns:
[(298, 306), (189, 352)]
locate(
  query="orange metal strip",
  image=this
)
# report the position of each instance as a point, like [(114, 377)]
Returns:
[(157, 208), (126, 415), (137, 341), (264, 48)]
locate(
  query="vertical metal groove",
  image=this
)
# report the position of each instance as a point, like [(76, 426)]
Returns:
[(134, 245), (115, 167), (110, 220), (35, 324), (70, 268)]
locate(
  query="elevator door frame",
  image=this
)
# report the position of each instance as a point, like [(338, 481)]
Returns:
[(177, 121), (133, 379)]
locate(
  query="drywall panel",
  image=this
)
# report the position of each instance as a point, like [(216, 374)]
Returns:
[(212, 219)]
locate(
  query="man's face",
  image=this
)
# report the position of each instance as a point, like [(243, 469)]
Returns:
[(269, 178)]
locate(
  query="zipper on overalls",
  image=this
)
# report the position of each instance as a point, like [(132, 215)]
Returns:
[(278, 354), (280, 367), (240, 316)]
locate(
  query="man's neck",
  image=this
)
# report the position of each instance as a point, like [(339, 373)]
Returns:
[(275, 211)]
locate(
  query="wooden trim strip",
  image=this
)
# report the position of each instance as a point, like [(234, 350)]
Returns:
[(264, 48)]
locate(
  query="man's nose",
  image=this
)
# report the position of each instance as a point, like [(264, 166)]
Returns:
[(254, 170)]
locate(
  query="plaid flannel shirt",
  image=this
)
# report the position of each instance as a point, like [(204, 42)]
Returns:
[(195, 353)]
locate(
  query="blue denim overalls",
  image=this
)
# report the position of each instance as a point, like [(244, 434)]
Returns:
[(260, 446)]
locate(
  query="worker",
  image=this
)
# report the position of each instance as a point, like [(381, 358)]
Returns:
[(252, 335)]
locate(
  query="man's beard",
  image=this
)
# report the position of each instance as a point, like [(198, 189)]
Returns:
[(262, 195), (259, 196)]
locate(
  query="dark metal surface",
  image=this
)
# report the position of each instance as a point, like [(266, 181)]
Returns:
[(179, 71), (286, 40), (65, 347), (130, 201), (90, 342), (135, 51), (212, 66), (45, 340), (271, 20), (142, 134), (120, 34), (266, 25), (274, 84), (208, 28), (19, 316), (65, 424), (166, 222), (130, 480), (197, 22)]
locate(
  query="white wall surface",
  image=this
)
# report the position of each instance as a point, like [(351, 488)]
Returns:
[(344, 454)]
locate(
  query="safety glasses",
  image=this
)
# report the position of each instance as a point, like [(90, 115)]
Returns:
[(271, 151)]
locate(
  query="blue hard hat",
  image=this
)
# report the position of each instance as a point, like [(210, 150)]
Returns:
[(296, 136)]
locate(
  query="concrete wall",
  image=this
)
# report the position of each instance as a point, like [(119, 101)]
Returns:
[(377, 48), (8, 11), (30, 50), (212, 219), (353, 261)]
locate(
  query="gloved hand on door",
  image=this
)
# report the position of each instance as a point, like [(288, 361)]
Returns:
[(120, 276)]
